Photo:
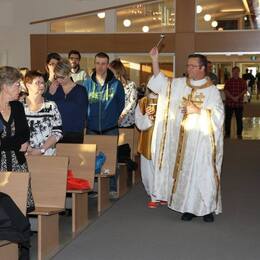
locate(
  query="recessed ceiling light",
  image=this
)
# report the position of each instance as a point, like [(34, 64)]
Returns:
[(145, 28), (127, 23), (214, 24), (199, 9), (101, 15), (207, 17)]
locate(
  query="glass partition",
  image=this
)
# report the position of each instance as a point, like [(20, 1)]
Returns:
[(219, 15), (84, 24), (151, 17), (157, 16)]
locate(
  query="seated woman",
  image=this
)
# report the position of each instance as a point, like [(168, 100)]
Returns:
[(127, 117), (43, 117), (71, 100), (15, 135)]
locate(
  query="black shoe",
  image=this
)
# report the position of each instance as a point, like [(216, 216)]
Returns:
[(187, 216), (208, 218)]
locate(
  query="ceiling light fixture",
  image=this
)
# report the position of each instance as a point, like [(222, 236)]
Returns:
[(127, 23), (207, 17), (101, 15), (232, 10), (199, 9), (214, 24), (145, 28)]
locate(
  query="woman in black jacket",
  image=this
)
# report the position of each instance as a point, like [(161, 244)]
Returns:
[(14, 135)]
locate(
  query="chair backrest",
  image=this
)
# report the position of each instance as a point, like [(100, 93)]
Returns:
[(82, 159), (15, 184), (108, 145), (49, 180), (126, 135)]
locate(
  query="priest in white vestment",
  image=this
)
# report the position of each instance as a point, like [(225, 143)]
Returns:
[(187, 144)]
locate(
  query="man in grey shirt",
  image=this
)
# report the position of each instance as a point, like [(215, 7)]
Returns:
[(78, 75)]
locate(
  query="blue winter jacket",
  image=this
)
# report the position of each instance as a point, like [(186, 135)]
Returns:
[(105, 103)]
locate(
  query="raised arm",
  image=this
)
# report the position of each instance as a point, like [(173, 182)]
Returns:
[(154, 54)]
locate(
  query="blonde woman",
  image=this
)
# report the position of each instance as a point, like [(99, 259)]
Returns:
[(71, 99), (127, 117)]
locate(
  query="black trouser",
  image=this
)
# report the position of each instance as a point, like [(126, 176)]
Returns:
[(14, 226), (228, 116)]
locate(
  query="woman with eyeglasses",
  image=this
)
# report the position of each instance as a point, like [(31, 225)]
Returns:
[(14, 133), (71, 99), (43, 117)]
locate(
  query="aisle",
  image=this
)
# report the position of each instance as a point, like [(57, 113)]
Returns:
[(131, 231)]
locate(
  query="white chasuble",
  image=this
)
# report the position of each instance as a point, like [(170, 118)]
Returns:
[(187, 150)]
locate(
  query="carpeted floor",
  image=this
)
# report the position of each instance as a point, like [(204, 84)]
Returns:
[(131, 231)]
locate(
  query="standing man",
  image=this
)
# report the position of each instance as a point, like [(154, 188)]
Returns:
[(106, 101), (187, 144), (235, 89), (78, 75), (106, 98)]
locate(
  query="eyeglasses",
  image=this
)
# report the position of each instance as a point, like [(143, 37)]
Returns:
[(192, 66), (59, 77)]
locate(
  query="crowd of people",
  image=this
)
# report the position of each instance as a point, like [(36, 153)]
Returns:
[(180, 122)]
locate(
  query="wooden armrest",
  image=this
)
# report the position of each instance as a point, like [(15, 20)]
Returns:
[(46, 211), (79, 191), (4, 242)]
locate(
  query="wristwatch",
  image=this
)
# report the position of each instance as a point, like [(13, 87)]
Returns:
[(42, 150)]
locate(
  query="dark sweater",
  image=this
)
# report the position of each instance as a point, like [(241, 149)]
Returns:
[(22, 133), (72, 107)]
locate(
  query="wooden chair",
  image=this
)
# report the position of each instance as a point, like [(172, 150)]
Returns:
[(49, 180), (108, 145), (16, 186), (82, 162)]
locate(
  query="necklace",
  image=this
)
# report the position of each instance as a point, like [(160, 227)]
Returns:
[(207, 84)]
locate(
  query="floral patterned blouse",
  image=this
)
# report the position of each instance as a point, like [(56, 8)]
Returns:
[(130, 104), (44, 123)]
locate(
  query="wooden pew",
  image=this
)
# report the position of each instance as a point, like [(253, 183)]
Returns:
[(16, 186), (49, 180), (82, 162), (108, 145)]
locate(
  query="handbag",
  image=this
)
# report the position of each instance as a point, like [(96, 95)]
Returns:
[(76, 183)]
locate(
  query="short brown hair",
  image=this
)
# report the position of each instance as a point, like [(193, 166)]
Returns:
[(102, 55), (31, 75)]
